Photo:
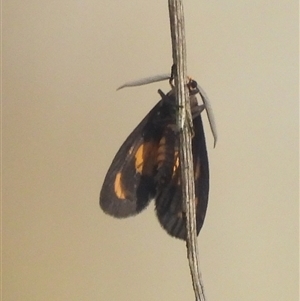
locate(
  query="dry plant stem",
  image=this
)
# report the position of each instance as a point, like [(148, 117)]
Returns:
[(185, 151)]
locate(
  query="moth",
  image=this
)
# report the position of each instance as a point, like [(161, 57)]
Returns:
[(147, 167)]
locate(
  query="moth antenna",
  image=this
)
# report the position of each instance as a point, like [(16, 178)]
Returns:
[(209, 112), (146, 80)]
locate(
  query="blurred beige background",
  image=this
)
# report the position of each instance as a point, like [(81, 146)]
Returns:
[(63, 121)]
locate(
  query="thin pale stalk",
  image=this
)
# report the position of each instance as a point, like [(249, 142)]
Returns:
[(184, 121)]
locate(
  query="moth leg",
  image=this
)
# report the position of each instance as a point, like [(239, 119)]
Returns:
[(161, 93)]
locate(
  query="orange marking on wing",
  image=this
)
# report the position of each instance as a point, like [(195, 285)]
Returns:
[(118, 187), (144, 158)]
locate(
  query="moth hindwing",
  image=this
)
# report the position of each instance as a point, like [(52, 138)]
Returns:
[(147, 167)]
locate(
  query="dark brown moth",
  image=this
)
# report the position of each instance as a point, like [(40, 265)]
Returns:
[(147, 167)]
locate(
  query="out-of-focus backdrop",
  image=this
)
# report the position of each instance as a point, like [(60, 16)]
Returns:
[(63, 122)]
